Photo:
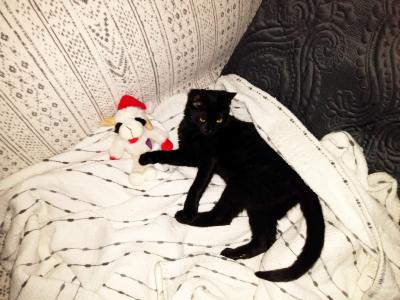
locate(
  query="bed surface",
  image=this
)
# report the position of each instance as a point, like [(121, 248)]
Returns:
[(74, 228)]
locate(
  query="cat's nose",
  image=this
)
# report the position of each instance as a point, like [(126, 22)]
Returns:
[(210, 131)]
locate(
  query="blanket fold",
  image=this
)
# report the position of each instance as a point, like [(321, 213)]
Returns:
[(72, 227)]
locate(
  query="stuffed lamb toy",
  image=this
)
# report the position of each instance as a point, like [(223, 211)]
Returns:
[(135, 134)]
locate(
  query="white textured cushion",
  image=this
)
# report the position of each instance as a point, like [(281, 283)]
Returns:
[(64, 64)]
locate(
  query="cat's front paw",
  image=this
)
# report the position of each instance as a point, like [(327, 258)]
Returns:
[(185, 218), (147, 158), (233, 253)]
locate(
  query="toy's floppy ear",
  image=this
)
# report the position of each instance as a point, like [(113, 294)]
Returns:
[(141, 121), (148, 124), (110, 121), (117, 127)]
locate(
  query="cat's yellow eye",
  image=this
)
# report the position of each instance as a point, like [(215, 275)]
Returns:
[(219, 120), (202, 120)]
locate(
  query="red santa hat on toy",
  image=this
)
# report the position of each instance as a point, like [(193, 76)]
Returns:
[(130, 101), (129, 106)]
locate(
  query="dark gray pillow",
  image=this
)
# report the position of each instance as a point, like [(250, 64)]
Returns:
[(335, 64)]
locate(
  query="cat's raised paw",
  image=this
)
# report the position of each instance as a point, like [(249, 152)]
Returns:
[(184, 218), (146, 158)]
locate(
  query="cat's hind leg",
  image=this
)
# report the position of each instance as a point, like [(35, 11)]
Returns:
[(263, 236)]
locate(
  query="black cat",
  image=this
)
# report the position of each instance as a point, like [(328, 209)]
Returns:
[(257, 180)]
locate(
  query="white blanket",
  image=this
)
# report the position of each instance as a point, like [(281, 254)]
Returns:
[(73, 228)]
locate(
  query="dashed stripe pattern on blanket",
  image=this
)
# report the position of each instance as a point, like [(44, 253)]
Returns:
[(99, 229)]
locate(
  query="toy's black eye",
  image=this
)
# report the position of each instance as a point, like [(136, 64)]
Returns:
[(117, 127), (202, 120), (219, 120), (141, 121)]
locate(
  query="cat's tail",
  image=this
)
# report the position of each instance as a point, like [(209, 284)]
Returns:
[(314, 242)]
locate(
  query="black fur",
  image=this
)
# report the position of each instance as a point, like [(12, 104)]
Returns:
[(257, 180)]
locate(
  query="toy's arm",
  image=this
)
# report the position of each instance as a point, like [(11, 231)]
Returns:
[(117, 148), (160, 137)]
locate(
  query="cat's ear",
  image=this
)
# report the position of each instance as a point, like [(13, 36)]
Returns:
[(195, 99), (227, 98)]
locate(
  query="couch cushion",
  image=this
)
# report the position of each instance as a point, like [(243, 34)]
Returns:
[(335, 64), (64, 64)]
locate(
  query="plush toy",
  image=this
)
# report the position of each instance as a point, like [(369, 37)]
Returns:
[(135, 134)]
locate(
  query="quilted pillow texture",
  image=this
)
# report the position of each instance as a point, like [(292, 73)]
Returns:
[(64, 64), (335, 64)]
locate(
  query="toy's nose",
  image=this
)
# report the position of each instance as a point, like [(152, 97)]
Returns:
[(133, 140)]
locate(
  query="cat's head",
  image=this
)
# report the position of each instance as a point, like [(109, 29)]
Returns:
[(208, 109)]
